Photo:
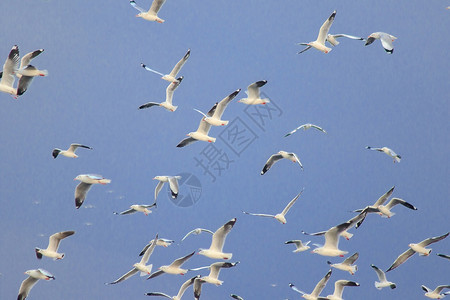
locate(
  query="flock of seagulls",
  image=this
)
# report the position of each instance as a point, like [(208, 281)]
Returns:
[(25, 73)]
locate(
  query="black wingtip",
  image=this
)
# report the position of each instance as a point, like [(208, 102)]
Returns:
[(38, 255), (389, 51)]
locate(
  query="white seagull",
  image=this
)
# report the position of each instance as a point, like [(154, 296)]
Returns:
[(281, 216), (173, 184), (196, 231), (382, 279), (218, 240), (219, 108), (347, 265), (299, 246), (25, 61), (436, 294), (152, 13), (160, 242), (169, 96), (140, 266), (253, 96), (319, 44), (144, 208), (387, 151), (87, 180), (413, 248), (201, 134), (53, 244), (305, 127), (174, 267), (69, 152), (332, 38), (26, 78), (34, 276), (9, 70), (385, 211), (317, 290), (339, 289), (212, 277), (180, 294), (172, 76), (280, 155), (385, 38)]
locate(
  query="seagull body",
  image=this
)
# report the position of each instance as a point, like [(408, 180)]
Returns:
[(385, 211), (299, 246), (413, 248), (169, 96), (172, 76), (201, 134), (317, 290), (280, 155), (305, 127), (26, 60), (253, 96), (69, 152), (380, 201), (53, 244), (436, 294), (31, 71), (9, 70), (87, 180), (34, 276), (347, 265), (385, 38), (173, 184), (281, 216), (140, 266), (387, 151), (196, 231), (319, 43), (180, 294), (339, 289), (160, 242), (152, 13), (382, 279), (174, 267), (332, 38), (218, 240), (219, 108), (144, 208)]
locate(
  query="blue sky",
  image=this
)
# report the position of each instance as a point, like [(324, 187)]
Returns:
[(360, 95)]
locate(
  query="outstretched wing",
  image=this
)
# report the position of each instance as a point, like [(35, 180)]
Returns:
[(132, 3), (323, 32), (181, 63), (288, 207), (124, 276), (273, 159)]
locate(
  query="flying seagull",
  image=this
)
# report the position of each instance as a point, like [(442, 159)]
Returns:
[(201, 134), (413, 248), (436, 294), (253, 96), (219, 108), (172, 76), (317, 290), (332, 38), (69, 152), (347, 265), (281, 216), (173, 268), (180, 294), (27, 75), (152, 13), (196, 231), (144, 208), (169, 96), (87, 180), (305, 127), (382, 279), (387, 151), (218, 240), (319, 43), (34, 276), (160, 242), (26, 60), (280, 155), (299, 246), (212, 277), (339, 289), (173, 184), (53, 244), (385, 38), (9, 70)]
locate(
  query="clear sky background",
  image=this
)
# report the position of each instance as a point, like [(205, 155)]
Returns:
[(360, 95)]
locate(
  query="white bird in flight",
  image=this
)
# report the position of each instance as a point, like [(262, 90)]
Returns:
[(180, 294), (53, 244), (305, 127), (196, 231), (299, 246), (212, 278), (382, 283), (173, 268), (201, 134), (172, 76), (332, 38), (69, 152), (339, 289), (436, 294), (387, 151), (253, 95), (34, 276), (152, 13), (160, 242), (173, 185), (317, 289), (319, 43), (347, 265), (385, 38), (144, 208), (215, 250), (169, 96), (280, 155), (87, 180), (219, 108)]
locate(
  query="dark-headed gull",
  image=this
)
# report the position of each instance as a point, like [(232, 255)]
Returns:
[(53, 244), (253, 96), (34, 276), (436, 294), (280, 155), (9, 70), (413, 248), (387, 151), (152, 13), (196, 231), (69, 152), (319, 43), (305, 127), (218, 240), (317, 290), (212, 277), (173, 268), (180, 294), (385, 38), (347, 265), (201, 134), (339, 286), (144, 208), (299, 246), (219, 108), (169, 96), (382, 279), (332, 38), (281, 216), (173, 184), (172, 76), (87, 180), (26, 60)]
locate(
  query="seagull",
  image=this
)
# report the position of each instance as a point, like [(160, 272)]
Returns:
[(87, 180), (137, 207), (152, 13), (140, 266), (180, 294), (212, 277), (69, 152), (385, 38), (169, 96), (305, 127), (299, 246), (339, 289), (201, 134), (173, 268), (173, 184), (380, 201), (382, 278), (26, 78), (413, 248), (53, 244), (218, 240), (281, 216), (332, 38), (26, 60), (388, 151), (317, 290), (34, 276), (443, 255), (436, 294), (347, 264), (196, 231), (319, 44), (172, 76), (253, 96), (160, 242), (234, 296), (219, 108), (280, 155), (9, 69)]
